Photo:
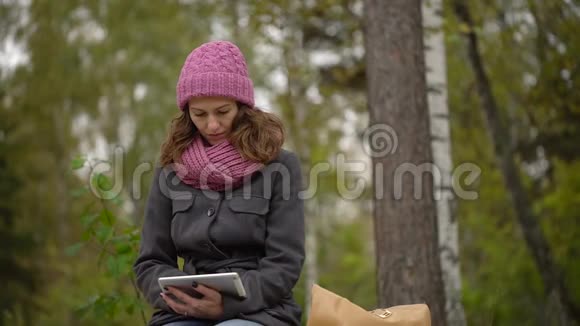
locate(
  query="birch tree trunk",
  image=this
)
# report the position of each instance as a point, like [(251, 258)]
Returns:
[(441, 145), (406, 239)]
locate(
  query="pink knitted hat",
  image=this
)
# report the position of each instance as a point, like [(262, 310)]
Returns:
[(216, 68)]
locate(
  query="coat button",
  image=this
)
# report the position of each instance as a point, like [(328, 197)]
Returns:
[(210, 212)]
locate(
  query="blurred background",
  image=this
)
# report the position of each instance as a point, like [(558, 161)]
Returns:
[(87, 91)]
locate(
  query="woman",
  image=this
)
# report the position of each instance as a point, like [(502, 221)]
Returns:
[(225, 199)]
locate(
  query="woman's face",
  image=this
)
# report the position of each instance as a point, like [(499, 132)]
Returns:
[(213, 116)]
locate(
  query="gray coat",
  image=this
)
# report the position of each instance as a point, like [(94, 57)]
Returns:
[(256, 230)]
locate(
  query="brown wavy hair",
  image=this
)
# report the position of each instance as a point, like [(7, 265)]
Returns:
[(257, 135)]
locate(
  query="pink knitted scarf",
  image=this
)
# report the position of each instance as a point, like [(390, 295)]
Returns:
[(218, 167)]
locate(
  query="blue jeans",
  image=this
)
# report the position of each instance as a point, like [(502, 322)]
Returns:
[(238, 322), (231, 322)]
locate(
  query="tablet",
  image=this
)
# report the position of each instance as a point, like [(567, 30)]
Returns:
[(229, 283)]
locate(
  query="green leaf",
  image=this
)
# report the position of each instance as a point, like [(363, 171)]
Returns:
[(113, 266), (118, 201), (101, 182), (74, 249), (122, 244), (87, 234), (79, 192), (104, 182), (103, 233), (87, 220), (135, 235), (120, 265), (106, 306), (82, 310), (120, 239), (78, 162), (107, 217), (123, 248), (130, 309)]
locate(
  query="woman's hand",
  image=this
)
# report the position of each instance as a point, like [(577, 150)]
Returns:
[(208, 307)]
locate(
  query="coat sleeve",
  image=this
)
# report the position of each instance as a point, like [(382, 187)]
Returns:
[(281, 265), (157, 254)]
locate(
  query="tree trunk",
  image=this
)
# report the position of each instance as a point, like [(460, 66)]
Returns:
[(311, 261), (406, 237), (60, 125), (294, 57), (533, 235), (441, 146)]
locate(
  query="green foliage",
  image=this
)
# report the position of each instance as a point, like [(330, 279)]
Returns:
[(117, 244), (70, 252), (348, 263), (78, 163), (560, 221), (501, 283), (19, 267)]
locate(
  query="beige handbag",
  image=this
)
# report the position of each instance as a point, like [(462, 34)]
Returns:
[(330, 309)]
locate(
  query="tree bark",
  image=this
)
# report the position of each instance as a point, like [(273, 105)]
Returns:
[(533, 235), (294, 56), (406, 237), (441, 145)]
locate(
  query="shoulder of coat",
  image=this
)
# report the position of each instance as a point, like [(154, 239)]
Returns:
[(286, 156)]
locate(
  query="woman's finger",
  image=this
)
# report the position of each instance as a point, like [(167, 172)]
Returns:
[(208, 293), (173, 304), (188, 300), (193, 311)]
